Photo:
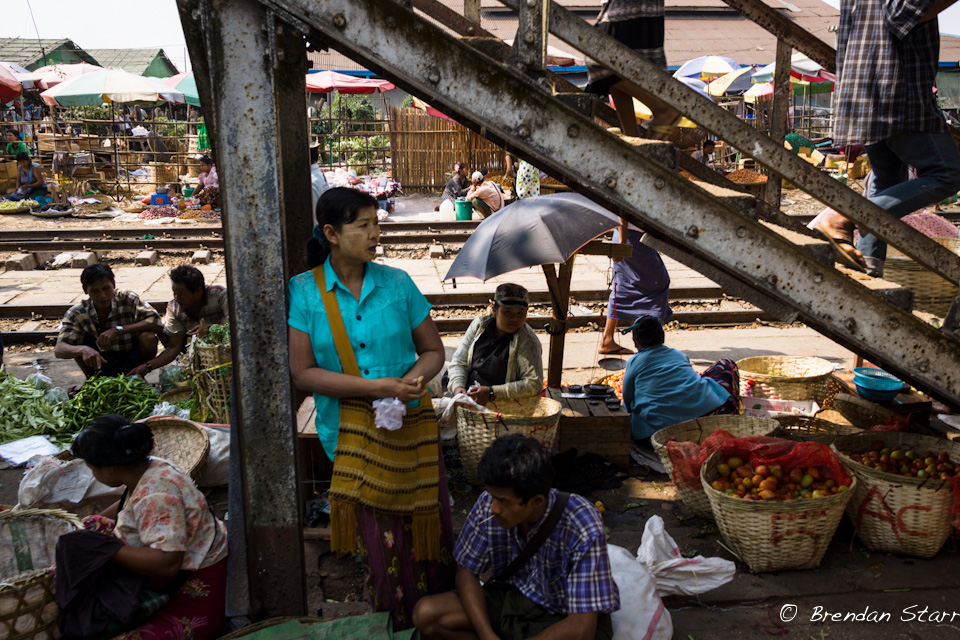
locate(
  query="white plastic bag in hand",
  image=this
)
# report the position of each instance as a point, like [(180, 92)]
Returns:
[(389, 413), (676, 575)]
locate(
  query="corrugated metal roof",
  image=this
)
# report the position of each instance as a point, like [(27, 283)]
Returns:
[(132, 60), (26, 52)]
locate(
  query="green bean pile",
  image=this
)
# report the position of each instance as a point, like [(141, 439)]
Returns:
[(25, 412), (131, 398)]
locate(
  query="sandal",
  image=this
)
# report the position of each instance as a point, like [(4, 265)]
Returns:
[(618, 351), (844, 256)]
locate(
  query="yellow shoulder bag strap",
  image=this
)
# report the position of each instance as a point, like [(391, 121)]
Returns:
[(348, 359)]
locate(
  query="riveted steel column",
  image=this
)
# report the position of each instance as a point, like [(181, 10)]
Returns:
[(530, 44), (644, 187), (779, 114), (471, 10), (237, 44)]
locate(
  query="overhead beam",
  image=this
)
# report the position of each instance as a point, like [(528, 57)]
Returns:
[(236, 48), (625, 63), (506, 105)]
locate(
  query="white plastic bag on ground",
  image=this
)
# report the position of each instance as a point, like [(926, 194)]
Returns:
[(19, 451), (59, 482), (658, 570), (216, 472)]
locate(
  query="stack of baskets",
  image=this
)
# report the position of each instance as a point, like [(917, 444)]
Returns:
[(894, 513), (212, 366), (696, 431), (775, 535), (810, 429), (785, 378), (931, 293), (28, 543), (476, 430)]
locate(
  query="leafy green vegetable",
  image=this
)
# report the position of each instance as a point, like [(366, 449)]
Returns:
[(25, 412), (131, 398), (218, 334)]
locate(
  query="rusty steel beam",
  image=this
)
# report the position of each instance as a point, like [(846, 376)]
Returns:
[(787, 31), (461, 24), (507, 105), (237, 51), (622, 61), (529, 50), (778, 116)]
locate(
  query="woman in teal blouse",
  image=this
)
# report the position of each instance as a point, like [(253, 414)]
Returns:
[(397, 346)]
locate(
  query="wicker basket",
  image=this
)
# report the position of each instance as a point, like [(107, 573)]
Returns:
[(696, 431), (23, 209), (163, 172), (894, 513), (775, 535), (476, 430), (807, 429), (28, 543), (213, 375), (182, 442), (861, 413), (176, 395), (785, 377), (931, 293)]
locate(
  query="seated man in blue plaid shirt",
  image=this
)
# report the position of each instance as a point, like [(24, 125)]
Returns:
[(112, 332), (565, 590)]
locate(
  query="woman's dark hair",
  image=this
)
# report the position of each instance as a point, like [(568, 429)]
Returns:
[(189, 276), (206, 160), (113, 441), (336, 207), (23, 155), (647, 332), (517, 463), (94, 272), (11, 132)]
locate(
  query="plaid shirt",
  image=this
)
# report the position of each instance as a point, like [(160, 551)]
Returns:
[(81, 324), (569, 574), (215, 310), (886, 68)]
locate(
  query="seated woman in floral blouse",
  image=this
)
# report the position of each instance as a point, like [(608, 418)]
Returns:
[(168, 529)]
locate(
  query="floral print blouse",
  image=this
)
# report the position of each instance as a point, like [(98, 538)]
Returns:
[(166, 511)]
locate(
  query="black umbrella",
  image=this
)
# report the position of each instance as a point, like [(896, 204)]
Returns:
[(531, 232)]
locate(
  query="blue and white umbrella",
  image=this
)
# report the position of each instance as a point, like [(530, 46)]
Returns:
[(707, 67)]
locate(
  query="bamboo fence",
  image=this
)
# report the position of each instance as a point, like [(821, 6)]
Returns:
[(424, 149)]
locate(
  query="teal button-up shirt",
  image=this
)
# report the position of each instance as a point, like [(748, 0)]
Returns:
[(380, 327)]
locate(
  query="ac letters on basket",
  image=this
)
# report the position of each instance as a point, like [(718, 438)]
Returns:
[(895, 520), (776, 538)]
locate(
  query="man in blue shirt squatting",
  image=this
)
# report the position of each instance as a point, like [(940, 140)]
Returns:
[(561, 588)]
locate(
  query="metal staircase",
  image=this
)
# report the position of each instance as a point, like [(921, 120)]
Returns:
[(249, 63)]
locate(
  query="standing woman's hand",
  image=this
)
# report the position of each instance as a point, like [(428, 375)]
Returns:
[(403, 389)]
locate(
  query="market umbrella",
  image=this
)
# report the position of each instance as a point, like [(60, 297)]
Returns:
[(326, 81), (10, 87), (423, 106), (707, 67), (733, 83), (110, 85), (531, 232), (186, 84), (54, 74), (801, 68)]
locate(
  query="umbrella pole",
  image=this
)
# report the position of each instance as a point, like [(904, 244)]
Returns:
[(559, 286)]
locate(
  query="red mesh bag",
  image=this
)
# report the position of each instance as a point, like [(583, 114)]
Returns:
[(893, 423)]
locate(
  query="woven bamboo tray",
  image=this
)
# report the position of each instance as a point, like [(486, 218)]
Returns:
[(785, 377), (28, 543), (894, 513), (775, 535), (476, 430), (176, 395), (861, 413), (696, 431), (103, 202), (807, 429), (182, 442), (22, 209), (931, 293)]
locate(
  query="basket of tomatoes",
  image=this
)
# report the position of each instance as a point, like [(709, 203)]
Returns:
[(906, 499), (697, 431), (779, 511)]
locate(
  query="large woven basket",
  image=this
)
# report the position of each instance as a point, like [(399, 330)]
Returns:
[(807, 429), (28, 544), (176, 395), (895, 513), (785, 377), (476, 430), (931, 293), (775, 535), (696, 431), (182, 442), (213, 376), (861, 413)]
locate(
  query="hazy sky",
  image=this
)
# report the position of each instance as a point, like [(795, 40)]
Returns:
[(113, 24)]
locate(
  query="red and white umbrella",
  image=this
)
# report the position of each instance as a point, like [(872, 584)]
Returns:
[(10, 87), (326, 81), (53, 74)]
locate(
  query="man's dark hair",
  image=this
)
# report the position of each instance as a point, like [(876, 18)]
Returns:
[(96, 272), (23, 155), (113, 441), (189, 276), (517, 463), (647, 332), (709, 143)]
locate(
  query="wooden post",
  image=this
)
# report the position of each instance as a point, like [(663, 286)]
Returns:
[(559, 287), (779, 115)]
